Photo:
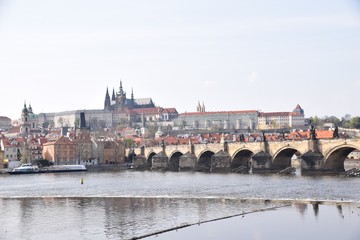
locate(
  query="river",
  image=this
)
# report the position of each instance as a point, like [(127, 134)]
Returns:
[(132, 204)]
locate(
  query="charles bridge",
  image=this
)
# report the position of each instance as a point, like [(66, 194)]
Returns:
[(317, 155)]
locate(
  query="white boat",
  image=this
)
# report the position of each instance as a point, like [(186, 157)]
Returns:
[(29, 168), (66, 168), (25, 168)]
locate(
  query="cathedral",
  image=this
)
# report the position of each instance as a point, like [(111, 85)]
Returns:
[(119, 102)]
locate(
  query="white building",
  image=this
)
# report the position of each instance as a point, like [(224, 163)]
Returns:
[(276, 120)]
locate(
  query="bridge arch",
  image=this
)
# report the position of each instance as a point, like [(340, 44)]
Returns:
[(241, 158), (204, 160), (174, 160), (149, 158), (336, 157), (282, 157)]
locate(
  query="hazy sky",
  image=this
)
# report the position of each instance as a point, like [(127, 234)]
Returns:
[(229, 54)]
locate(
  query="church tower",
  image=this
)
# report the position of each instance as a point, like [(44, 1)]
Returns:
[(113, 98), (132, 103), (121, 98), (25, 121), (107, 104)]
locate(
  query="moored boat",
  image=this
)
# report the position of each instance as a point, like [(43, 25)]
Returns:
[(65, 168), (28, 168), (25, 169)]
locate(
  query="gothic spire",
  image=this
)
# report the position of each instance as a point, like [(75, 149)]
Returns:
[(107, 103), (198, 107), (113, 95), (121, 91)]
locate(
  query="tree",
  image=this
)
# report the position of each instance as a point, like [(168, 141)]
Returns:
[(61, 121), (123, 123), (152, 129), (355, 122), (274, 124), (77, 122), (332, 119), (128, 142), (345, 121), (315, 121), (94, 123)]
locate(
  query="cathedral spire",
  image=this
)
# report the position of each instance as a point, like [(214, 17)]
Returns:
[(198, 107), (121, 91), (107, 103), (113, 95)]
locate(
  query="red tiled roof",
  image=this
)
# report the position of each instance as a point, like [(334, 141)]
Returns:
[(274, 114), (153, 110), (320, 134), (14, 129), (218, 112)]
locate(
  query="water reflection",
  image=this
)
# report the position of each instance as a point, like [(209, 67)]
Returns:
[(282, 223), (111, 218)]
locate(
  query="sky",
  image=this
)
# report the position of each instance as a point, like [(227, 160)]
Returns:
[(262, 55)]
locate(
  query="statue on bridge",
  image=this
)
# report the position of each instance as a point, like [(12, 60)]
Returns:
[(336, 132), (312, 133), (242, 138), (263, 136)]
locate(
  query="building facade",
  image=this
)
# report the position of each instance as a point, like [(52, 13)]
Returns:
[(61, 151), (278, 120), (227, 120)]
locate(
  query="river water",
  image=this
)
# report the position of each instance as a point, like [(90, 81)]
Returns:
[(131, 204)]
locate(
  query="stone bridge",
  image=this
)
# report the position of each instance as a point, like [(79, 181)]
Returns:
[(323, 155)]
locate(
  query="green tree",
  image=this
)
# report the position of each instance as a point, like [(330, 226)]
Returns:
[(61, 121), (355, 122), (332, 119), (315, 121), (128, 142), (152, 129), (123, 123), (77, 122), (345, 121)]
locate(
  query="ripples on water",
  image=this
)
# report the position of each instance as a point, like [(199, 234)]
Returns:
[(121, 205)]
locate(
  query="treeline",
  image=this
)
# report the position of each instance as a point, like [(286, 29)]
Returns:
[(346, 121)]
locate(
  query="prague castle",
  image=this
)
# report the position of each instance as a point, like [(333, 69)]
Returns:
[(119, 110)]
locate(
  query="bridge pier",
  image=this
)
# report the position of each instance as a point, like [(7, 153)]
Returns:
[(159, 161), (139, 162), (220, 162), (312, 162), (187, 162), (261, 162)]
